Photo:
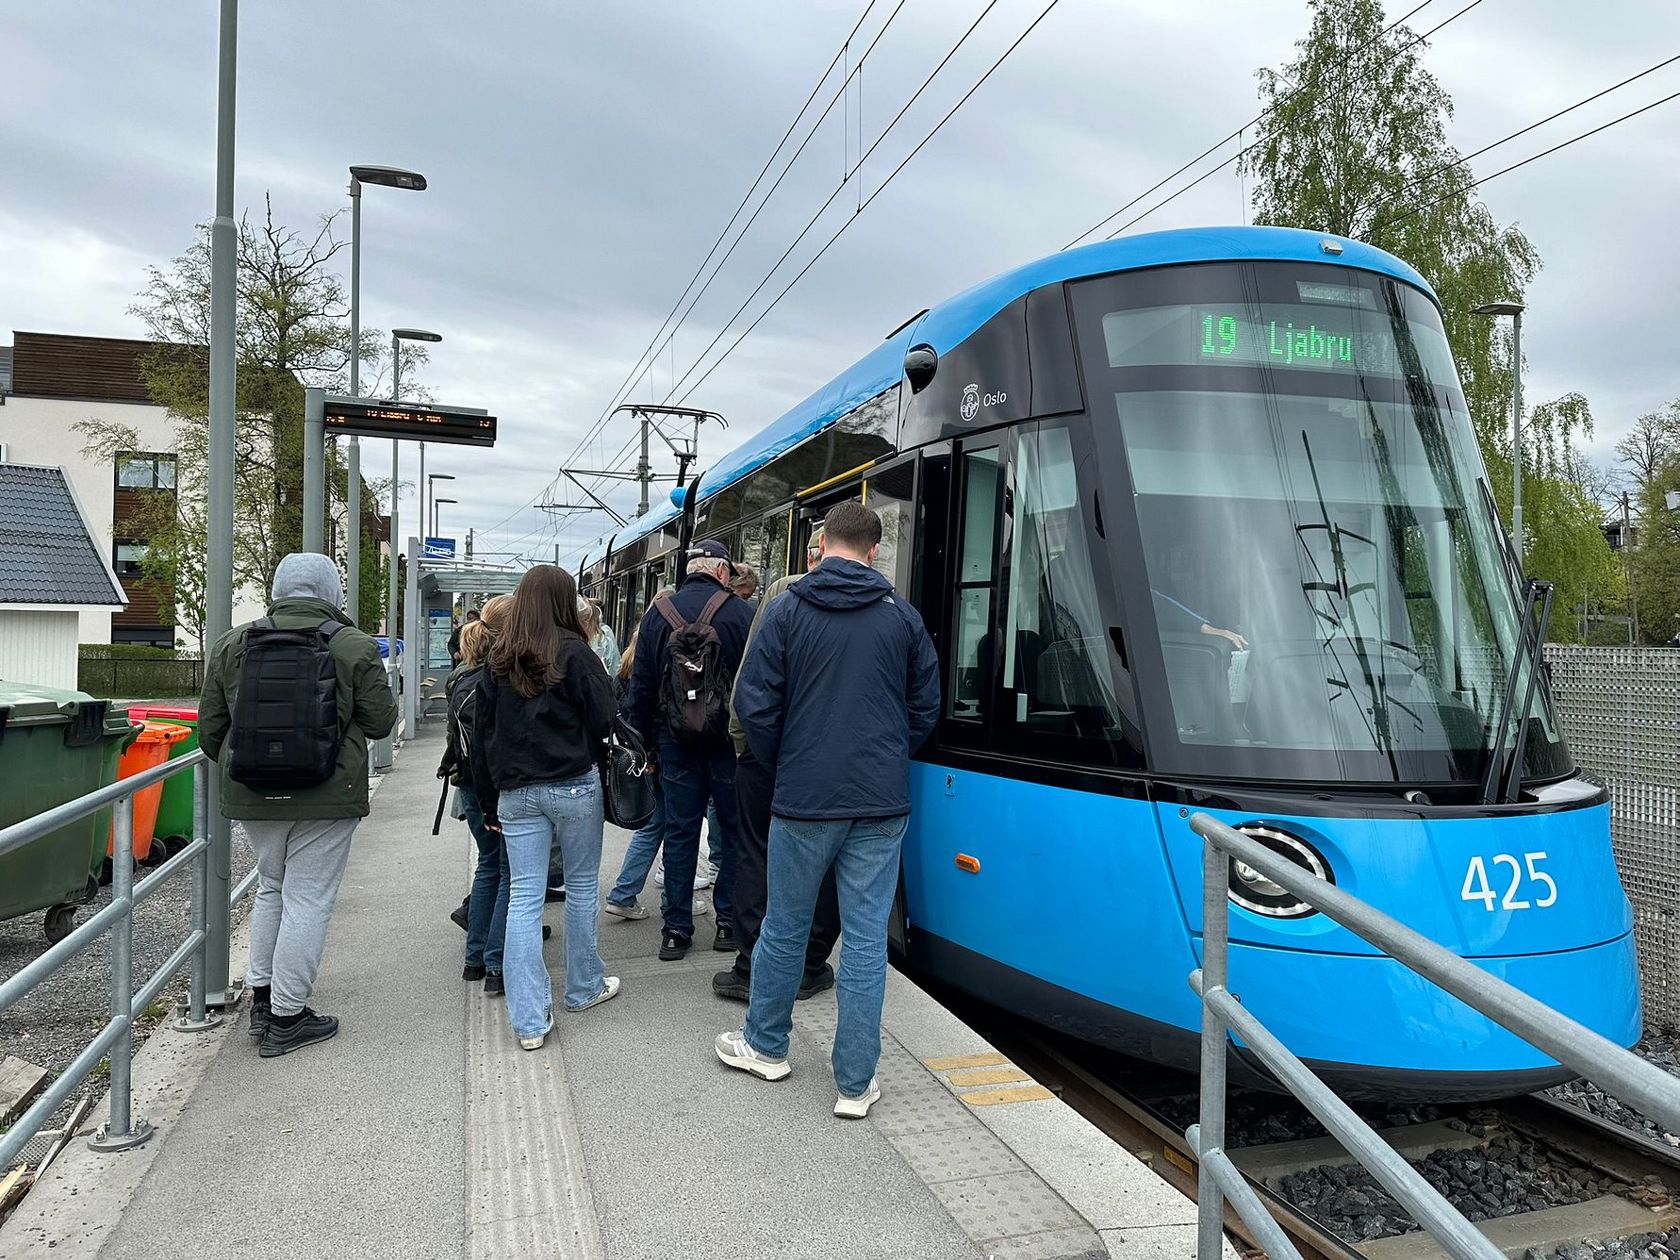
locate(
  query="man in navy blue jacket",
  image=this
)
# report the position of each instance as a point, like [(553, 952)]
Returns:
[(841, 686), (695, 770)]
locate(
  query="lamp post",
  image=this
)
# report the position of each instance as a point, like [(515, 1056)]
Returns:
[(436, 504), (386, 177), (1515, 311), (431, 492), (392, 625)]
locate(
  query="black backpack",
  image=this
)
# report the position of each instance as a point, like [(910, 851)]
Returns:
[(284, 731), (694, 697)]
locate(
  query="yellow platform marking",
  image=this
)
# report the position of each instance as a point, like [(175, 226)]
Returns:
[(1009, 1094), (987, 1076), (989, 1059)]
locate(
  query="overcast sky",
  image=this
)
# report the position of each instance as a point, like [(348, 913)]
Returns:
[(583, 156)]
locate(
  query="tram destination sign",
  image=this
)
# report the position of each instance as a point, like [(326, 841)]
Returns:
[(372, 417)]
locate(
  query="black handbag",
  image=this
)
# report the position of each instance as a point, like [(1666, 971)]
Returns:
[(628, 799)]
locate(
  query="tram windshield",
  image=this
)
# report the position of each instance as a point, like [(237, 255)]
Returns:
[(1310, 543)]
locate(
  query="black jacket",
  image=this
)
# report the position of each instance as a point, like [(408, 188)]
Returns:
[(841, 686), (732, 622), (556, 734)]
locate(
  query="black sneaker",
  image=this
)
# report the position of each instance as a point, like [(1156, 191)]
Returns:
[(547, 931), (555, 894), (493, 986), (814, 983), (733, 985), (283, 1034), (261, 1013), (673, 945), (723, 940), (458, 916), (473, 971)]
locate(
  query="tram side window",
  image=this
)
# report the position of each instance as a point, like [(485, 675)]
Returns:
[(971, 665), (1057, 658), (890, 494), (777, 529)]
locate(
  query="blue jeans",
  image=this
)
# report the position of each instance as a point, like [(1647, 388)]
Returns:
[(689, 781), (535, 818), (865, 857), (714, 837), (487, 903), (638, 858)]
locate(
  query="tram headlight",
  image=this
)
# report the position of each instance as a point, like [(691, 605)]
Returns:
[(1253, 891)]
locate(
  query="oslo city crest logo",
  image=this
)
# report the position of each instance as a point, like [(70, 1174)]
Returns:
[(970, 403)]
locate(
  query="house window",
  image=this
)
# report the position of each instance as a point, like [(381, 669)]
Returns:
[(138, 470), (130, 554)]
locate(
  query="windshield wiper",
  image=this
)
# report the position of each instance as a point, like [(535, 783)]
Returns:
[(1502, 781)]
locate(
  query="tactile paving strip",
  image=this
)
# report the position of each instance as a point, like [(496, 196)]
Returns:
[(999, 1202), (1620, 713)]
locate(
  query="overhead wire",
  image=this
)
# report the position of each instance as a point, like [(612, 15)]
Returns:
[(1261, 139), (1238, 133), (649, 353), (833, 196)]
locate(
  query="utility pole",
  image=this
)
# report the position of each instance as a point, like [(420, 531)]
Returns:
[(218, 619), (1627, 571), (648, 415), (469, 544)]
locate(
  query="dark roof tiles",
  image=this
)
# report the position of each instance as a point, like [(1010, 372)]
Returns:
[(47, 554)]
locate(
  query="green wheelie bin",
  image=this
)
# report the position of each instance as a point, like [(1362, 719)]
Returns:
[(55, 745), (175, 811)]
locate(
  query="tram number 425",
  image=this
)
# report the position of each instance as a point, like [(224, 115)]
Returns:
[(1525, 877)]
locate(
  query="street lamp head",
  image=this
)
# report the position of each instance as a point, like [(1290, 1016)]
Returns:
[(441, 477), (389, 177), (437, 502), (415, 334), (1498, 308)]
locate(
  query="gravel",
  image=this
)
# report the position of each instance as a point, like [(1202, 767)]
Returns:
[(1508, 1176), (1663, 1050), (51, 1026), (1634, 1247), (1256, 1118)]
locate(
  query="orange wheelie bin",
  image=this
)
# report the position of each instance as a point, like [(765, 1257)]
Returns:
[(150, 749)]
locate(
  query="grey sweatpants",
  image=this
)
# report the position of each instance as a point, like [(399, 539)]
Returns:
[(299, 867)]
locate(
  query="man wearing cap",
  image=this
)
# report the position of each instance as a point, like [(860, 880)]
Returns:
[(695, 769)]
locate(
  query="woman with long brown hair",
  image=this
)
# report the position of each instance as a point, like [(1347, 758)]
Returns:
[(541, 716)]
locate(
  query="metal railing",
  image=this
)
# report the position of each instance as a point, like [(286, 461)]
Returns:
[(116, 1038), (1606, 1064)]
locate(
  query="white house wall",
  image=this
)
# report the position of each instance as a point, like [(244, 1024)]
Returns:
[(42, 431), (38, 647)]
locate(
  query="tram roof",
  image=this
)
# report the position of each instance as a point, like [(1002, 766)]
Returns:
[(658, 515), (953, 321)]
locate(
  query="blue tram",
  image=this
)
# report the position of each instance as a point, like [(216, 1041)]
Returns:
[(1198, 522)]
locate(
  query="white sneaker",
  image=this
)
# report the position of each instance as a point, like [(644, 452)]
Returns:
[(631, 911), (608, 992), (535, 1043), (857, 1108), (733, 1049), (659, 871), (702, 906), (705, 875)]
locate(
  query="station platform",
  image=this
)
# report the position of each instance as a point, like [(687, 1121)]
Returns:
[(423, 1130)]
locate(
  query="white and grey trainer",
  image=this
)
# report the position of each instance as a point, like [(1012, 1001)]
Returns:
[(848, 1108), (631, 911), (733, 1049)]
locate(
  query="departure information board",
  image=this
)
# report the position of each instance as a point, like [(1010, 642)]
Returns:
[(370, 417)]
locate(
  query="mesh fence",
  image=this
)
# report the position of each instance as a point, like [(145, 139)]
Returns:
[(1620, 711)]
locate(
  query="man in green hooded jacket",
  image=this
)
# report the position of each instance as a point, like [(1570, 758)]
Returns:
[(301, 836)]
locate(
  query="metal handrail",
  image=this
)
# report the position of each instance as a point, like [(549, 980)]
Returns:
[(1577, 1047), (116, 1038)]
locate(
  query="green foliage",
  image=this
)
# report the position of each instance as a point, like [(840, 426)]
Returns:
[(292, 330), (1356, 146), (127, 651), (1656, 561)]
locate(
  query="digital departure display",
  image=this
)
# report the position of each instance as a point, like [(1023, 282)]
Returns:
[(1324, 332), (1225, 335), (366, 417)]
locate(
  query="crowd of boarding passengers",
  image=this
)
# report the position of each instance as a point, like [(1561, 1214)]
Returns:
[(786, 723)]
